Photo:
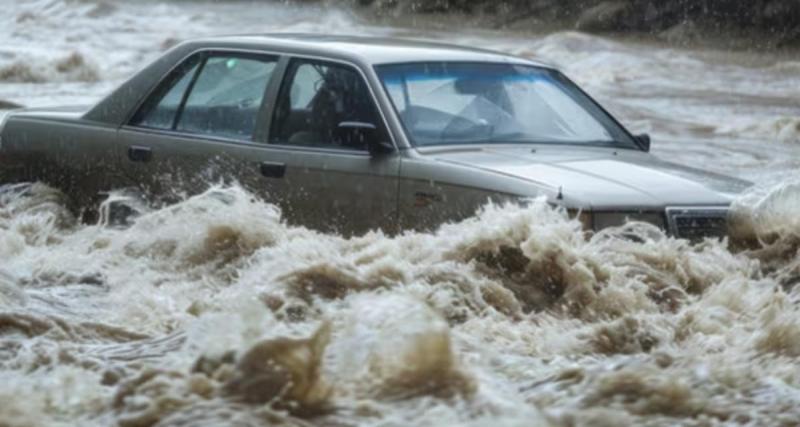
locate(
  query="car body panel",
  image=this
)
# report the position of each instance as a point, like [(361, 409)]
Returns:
[(600, 176), (358, 192), (433, 192), (369, 51), (339, 191), (57, 147), (180, 164)]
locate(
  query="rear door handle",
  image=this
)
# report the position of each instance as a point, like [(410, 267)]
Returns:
[(138, 153), (273, 169)]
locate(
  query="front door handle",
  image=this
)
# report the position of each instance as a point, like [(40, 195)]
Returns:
[(273, 169), (138, 153)]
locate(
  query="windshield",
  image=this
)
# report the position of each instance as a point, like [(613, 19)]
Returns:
[(479, 103)]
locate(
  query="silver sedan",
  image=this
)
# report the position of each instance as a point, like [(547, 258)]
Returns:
[(350, 134)]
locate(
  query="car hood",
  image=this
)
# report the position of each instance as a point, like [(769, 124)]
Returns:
[(602, 178)]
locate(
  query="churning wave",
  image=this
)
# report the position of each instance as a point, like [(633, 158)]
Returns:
[(214, 310)]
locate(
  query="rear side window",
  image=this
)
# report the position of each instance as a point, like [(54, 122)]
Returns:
[(158, 111), (220, 95)]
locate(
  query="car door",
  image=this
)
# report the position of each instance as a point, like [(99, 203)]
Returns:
[(332, 182), (197, 128)]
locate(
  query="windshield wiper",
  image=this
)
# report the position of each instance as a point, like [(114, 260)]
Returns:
[(511, 137), (604, 142)]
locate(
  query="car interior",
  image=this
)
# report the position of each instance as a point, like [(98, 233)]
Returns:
[(224, 100), (314, 100)]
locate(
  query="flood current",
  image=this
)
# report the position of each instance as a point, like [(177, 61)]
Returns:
[(214, 311)]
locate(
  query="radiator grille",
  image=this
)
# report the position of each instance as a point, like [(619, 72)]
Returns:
[(697, 223)]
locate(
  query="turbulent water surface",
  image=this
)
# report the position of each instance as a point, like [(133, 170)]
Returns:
[(214, 311)]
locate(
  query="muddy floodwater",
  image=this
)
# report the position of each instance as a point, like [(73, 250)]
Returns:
[(214, 311)]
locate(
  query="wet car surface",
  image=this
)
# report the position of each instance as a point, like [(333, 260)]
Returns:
[(350, 134)]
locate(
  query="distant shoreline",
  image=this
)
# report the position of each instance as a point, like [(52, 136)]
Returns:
[(757, 25)]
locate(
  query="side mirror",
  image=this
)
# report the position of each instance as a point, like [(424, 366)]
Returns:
[(361, 134), (644, 141)]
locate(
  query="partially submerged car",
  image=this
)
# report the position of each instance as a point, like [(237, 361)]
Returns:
[(351, 134)]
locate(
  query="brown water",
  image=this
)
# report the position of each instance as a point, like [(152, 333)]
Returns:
[(214, 312)]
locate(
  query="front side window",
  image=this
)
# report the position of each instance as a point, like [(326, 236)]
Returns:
[(315, 98), (220, 95), (462, 103)]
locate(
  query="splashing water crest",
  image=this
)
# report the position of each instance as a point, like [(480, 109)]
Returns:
[(212, 311)]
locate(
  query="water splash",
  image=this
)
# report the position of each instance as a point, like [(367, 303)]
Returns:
[(208, 309)]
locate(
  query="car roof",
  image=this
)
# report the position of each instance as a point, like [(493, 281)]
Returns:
[(366, 49)]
